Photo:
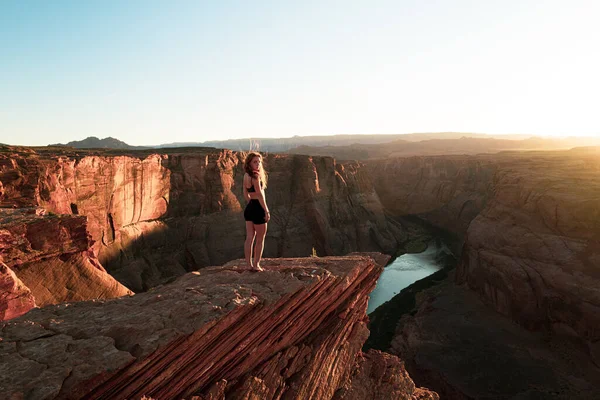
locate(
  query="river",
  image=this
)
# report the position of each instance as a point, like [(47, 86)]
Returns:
[(404, 271)]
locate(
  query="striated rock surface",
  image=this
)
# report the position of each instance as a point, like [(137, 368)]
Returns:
[(533, 253), (48, 261), (292, 331)]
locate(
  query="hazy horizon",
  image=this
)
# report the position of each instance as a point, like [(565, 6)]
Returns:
[(148, 72), (570, 140)]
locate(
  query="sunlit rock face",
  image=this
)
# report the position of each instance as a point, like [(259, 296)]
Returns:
[(113, 192), (534, 252), (293, 331), (48, 260), (15, 298)]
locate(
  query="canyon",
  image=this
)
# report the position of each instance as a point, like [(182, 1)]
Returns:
[(155, 216), (526, 224), (530, 257)]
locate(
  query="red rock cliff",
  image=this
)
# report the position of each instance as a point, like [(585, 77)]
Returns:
[(156, 216), (292, 332), (47, 261)]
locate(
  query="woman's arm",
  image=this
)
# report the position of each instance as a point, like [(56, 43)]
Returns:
[(261, 198)]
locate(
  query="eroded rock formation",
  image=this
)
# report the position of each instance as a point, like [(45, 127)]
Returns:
[(48, 260), (292, 331), (447, 191), (156, 216), (15, 298), (534, 252), (531, 254)]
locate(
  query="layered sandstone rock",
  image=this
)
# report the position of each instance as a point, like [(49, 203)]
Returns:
[(533, 253), (155, 216), (448, 191), (15, 298), (292, 331), (48, 261)]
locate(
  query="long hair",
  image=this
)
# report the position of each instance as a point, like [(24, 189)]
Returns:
[(262, 174)]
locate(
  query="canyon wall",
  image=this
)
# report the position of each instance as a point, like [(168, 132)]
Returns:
[(153, 216), (47, 259), (294, 331), (533, 253), (447, 191), (529, 219), (531, 227)]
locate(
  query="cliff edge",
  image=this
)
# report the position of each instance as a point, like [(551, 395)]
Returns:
[(294, 331)]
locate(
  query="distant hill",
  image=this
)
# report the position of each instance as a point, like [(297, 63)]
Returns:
[(93, 142), (285, 144), (463, 145), (361, 147)]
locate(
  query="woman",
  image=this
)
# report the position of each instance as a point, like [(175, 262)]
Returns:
[(256, 213)]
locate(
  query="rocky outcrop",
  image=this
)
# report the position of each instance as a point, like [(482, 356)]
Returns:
[(533, 253), (292, 331), (48, 260), (15, 298), (154, 216), (380, 375)]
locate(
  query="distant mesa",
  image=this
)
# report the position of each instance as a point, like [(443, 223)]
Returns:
[(93, 142), (362, 147)]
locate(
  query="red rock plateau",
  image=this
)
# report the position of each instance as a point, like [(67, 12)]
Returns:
[(47, 260), (294, 331)]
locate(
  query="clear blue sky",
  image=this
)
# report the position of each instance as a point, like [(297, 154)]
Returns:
[(151, 72)]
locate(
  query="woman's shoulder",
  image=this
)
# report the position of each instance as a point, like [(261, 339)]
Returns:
[(250, 177)]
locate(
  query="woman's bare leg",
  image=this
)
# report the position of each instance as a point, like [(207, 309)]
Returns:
[(261, 232), (250, 233)]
